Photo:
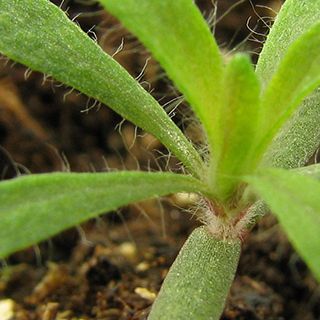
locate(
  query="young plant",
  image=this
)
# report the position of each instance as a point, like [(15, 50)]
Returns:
[(254, 120)]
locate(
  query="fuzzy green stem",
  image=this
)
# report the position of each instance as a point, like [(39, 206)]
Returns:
[(198, 282)]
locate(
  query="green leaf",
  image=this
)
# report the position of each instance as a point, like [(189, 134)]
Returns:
[(39, 206), (297, 76), (39, 35), (260, 208), (298, 140), (237, 126), (312, 171), (198, 282), (179, 38), (294, 199), (295, 18)]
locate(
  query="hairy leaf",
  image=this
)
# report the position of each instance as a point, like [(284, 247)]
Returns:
[(39, 206), (181, 41), (237, 125), (294, 199), (312, 171), (295, 18), (39, 35), (297, 141), (298, 75), (198, 282)]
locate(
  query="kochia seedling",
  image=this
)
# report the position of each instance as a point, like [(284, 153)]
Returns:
[(254, 119)]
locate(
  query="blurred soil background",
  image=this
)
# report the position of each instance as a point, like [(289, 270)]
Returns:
[(112, 267)]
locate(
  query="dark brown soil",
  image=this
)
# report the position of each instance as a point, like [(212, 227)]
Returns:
[(112, 267)]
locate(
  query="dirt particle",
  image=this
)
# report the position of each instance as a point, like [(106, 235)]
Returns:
[(7, 307), (128, 250), (56, 277), (142, 266), (145, 293), (50, 311)]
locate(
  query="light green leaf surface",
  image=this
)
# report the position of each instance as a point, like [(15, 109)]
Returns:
[(297, 141), (237, 126), (297, 76), (294, 19), (294, 199), (39, 35), (312, 171), (179, 38), (39, 206), (198, 282)]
